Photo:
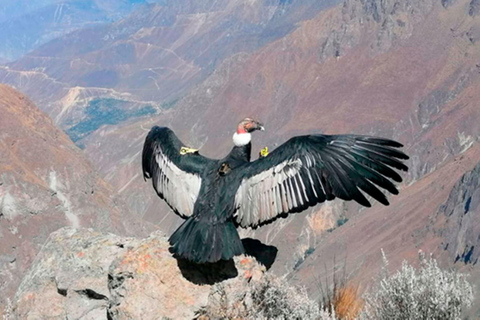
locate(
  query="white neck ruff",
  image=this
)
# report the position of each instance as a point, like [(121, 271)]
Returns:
[(241, 139)]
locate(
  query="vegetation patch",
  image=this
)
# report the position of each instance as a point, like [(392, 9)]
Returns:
[(427, 292), (340, 222), (169, 104), (307, 252), (105, 111)]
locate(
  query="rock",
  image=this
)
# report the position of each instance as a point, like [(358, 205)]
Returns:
[(84, 274), (462, 212), (447, 3), (474, 8)]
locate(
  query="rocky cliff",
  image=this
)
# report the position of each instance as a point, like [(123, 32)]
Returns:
[(45, 183), (456, 224), (83, 274), (459, 219)]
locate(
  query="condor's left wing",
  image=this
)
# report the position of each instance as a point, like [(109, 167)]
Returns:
[(176, 175), (307, 170)]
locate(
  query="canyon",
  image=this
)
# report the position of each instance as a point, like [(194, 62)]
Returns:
[(401, 69)]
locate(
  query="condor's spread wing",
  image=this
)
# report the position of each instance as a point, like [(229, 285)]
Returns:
[(307, 170), (175, 177)]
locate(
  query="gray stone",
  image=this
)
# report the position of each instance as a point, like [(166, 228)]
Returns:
[(474, 8), (84, 274)]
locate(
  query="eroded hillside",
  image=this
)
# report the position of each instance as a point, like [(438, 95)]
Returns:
[(45, 183)]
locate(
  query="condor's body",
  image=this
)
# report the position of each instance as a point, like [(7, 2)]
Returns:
[(216, 196)]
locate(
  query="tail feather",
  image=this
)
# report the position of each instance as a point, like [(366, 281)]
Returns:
[(201, 242)]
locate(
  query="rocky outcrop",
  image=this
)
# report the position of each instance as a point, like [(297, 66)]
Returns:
[(394, 19), (83, 274), (386, 23), (474, 8), (461, 230), (447, 3)]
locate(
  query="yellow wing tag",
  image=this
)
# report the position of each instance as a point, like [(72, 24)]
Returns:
[(185, 150), (264, 152)]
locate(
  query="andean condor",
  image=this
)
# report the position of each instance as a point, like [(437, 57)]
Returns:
[(216, 196)]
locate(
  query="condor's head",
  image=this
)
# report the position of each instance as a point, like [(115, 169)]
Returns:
[(244, 128)]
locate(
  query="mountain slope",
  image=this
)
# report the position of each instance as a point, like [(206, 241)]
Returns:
[(26, 25), (401, 69), (154, 56), (45, 183)]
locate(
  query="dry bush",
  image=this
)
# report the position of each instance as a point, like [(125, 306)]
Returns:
[(268, 298), (427, 293), (344, 300), (347, 302), (341, 297), (274, 298), (8, 311)]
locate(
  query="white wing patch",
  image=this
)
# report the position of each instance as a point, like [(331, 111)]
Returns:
[(179, 188), (274, 191)]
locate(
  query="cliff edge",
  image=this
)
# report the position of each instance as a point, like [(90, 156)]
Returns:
[(84, 274)]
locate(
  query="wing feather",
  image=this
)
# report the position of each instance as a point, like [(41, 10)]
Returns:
[(176, 178), (311, 169)]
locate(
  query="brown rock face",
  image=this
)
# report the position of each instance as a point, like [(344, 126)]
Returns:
[(45, 183), (83, 274)]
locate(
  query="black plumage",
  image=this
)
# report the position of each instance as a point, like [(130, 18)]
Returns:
[(217, 195)]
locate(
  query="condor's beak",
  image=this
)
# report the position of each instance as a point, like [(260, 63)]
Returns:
[(251, 125), (260, 126)]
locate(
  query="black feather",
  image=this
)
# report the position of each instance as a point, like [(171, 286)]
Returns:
[(370, 174), (201, 241), (380, 158), (377, 166), (387, 151), (379, 141)]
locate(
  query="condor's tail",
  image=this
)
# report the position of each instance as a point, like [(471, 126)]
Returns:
[(201, 241)]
